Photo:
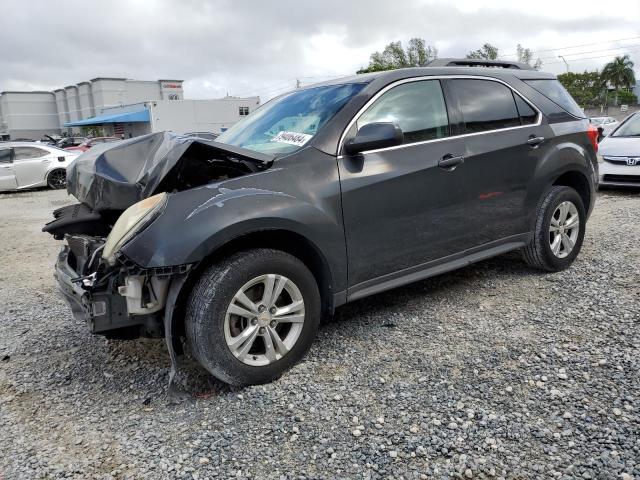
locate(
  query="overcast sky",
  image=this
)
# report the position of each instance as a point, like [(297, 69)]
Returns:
[(261, 47)]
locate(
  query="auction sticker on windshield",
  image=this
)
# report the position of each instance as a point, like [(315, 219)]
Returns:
[(292, 138)]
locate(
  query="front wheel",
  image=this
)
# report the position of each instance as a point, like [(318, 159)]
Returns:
[(253, 316), (559, 230)]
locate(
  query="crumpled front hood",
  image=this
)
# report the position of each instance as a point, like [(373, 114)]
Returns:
[(620, 146), (116, 175)]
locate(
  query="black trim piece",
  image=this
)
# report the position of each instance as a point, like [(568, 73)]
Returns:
[(436, 267)]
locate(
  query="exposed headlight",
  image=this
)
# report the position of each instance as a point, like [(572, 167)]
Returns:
[(132, 220)]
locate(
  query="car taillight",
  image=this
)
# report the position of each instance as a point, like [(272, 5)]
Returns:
[(593, 134)]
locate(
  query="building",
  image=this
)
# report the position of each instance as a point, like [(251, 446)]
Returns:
[(180, 116), (116, 106)]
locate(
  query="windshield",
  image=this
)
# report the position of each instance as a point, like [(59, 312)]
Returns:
[(287, 123), (630, 128), (597, 121)]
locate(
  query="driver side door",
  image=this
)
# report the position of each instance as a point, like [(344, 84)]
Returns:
[(30, 165), (404, 206)]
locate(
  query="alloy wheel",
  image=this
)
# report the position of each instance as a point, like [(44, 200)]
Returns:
[(564, 229), (264, 320), (58, 179)]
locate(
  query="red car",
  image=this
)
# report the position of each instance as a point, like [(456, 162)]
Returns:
[(90, 142)]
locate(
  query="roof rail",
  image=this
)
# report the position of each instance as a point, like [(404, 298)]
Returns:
[(477, 62)]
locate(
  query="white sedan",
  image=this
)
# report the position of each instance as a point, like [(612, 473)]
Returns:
[(619, 154), (29, 165)]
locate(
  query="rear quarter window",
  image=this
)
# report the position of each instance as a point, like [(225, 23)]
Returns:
[(554, 91)]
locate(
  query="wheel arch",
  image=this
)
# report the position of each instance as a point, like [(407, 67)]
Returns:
[(579, 182), (287, 241)]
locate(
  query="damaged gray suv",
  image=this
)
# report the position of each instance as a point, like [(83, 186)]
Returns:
[(322, 196)]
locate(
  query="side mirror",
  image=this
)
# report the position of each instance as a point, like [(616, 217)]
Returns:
[(373, 136)]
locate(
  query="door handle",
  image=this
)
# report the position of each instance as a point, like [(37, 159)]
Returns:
[(449, 162), (535, 141)]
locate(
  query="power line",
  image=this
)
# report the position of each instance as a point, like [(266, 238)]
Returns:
[(593, 51), (573, 46), (592, 58)]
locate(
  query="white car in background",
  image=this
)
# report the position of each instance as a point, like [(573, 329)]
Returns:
[(605, 125), (30, 164), (619, 154)]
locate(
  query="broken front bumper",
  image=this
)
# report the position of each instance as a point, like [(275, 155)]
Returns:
[(77, 298), (103, 309)]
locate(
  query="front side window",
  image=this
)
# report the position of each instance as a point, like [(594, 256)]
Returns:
[(25, 153), (418, 108), (485, 105), (287, 123)]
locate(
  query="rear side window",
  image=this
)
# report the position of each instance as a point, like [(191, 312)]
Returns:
[(554, 91), (528, 115), (485, 105), (418, 108)]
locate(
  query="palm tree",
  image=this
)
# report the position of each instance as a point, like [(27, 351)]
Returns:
[(619, 73)]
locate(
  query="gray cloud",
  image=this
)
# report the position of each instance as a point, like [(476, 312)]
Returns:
[(245, 47)]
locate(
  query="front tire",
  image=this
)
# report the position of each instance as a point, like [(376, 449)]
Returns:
[(57, 179), (559, 230), (252, 316)]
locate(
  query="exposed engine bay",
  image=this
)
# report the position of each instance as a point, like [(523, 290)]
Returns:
[(118, 185)]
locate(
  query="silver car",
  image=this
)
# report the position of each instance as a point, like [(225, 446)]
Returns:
[(619, 154), (30, 164), (605, 125)]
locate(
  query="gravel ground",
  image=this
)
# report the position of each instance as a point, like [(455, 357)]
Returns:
[(491, 371)]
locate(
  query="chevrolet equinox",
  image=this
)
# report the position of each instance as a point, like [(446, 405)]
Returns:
[(324, 195)]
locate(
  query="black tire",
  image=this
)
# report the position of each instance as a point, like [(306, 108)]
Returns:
[(57, 179), (212, 295), (538, 253)]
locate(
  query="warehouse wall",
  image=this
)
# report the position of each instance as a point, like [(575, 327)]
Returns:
[(183, 116), (29, 114)]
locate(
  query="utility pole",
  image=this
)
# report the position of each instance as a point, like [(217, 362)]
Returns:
[(565, 62)]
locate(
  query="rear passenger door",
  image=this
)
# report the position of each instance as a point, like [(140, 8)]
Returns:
[(501, 149)]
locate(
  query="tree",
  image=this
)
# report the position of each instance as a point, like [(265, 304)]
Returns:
[(417, 54), (525, 55), (487, 52), (585, 88), (619, 73)]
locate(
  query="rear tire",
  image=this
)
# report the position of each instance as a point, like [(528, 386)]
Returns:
[(244, 335), (57, 179), (559, 230)]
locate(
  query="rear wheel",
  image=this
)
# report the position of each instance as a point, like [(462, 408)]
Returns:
[(559, 230), (57, 179), (253, 316)]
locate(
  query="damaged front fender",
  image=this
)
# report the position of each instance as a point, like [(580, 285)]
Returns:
[(197, 222)]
